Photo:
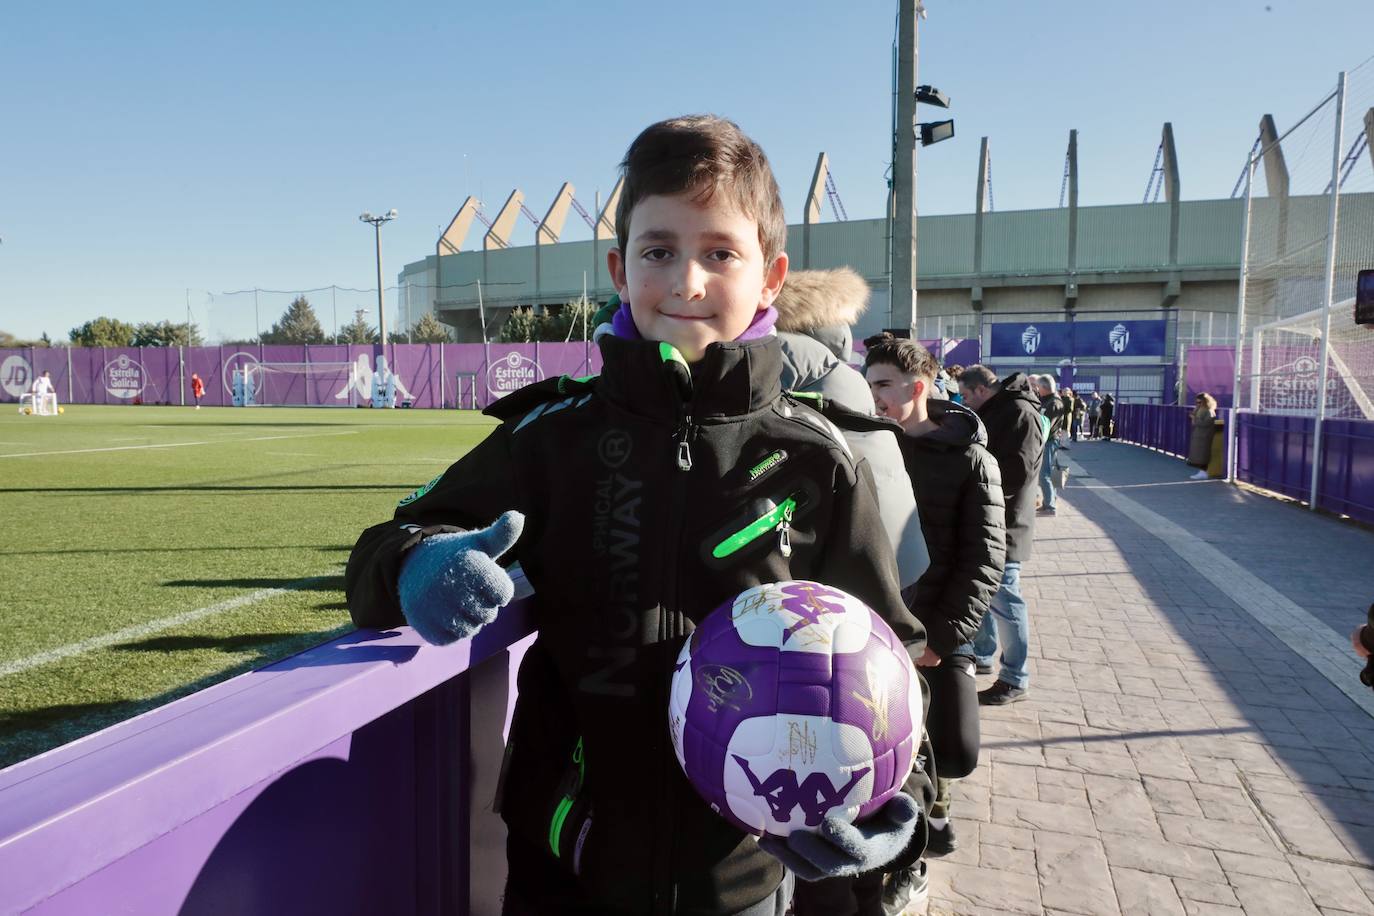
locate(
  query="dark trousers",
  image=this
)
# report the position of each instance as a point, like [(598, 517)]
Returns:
[(537, 886), (861, 896)]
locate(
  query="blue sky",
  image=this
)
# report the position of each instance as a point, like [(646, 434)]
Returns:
[(154, 147)]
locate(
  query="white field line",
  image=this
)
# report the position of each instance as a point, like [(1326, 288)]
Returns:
[(153, 626), (126, 448)]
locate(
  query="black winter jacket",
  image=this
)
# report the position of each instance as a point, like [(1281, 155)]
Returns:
[(959, 494), (1012, 418), (627, 484)]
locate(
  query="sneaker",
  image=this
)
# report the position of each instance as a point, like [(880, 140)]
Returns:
[(983, 667), (1200, 475), (1046, 510), (905, 891), (941, 842), (1000, 694)]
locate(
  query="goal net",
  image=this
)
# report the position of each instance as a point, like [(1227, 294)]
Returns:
[(284, 384), (1310, 232)]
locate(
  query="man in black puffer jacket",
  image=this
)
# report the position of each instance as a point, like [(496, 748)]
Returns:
[(1016, 437)]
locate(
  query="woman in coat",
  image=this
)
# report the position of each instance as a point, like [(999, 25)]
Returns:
[(1200, 445), (1104, 417)]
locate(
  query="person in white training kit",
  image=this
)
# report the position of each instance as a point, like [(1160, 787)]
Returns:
[(44, 396)]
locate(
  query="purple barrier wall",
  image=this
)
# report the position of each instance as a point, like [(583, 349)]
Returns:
[(1166, 427), (430, 375), (325, 375), (1274, 451), (356, 777)]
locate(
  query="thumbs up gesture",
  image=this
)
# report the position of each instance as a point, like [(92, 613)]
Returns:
[(450, 585)]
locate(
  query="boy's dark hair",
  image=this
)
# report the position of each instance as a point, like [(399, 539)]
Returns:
[(978, 376), (907, 355), (703, 155), (955, 371)]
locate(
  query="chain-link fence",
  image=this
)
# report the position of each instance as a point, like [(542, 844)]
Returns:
[(1309, 231)]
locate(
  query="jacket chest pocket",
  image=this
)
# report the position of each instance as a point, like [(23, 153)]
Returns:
[(762, 526)]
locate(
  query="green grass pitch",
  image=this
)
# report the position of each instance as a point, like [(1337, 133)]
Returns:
[(122, 517)]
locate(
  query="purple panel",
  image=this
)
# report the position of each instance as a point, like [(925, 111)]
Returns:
[(1347, 474), (1211, 370), (1166, 427), (68, 815), (324, 850), (1276, 453)]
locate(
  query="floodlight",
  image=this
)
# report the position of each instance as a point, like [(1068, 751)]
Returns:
[(929, 95), (367, 216), (934, 131), (391, 214)]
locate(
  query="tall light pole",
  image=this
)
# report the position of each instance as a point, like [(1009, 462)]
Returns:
[(909, 137), (902, 305), (377, 222)]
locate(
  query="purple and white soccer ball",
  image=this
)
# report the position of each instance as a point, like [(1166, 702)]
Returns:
[(791, 702)]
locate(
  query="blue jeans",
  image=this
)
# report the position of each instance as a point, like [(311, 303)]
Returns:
[(1047, 473), (1008, 623)]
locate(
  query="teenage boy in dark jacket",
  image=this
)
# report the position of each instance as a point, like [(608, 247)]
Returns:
[(959, 495), (1011, 412), (612, 495)]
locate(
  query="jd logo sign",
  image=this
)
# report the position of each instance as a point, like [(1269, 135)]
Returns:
[(16, 375)]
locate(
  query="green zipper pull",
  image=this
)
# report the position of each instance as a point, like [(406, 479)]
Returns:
[(778, 519)]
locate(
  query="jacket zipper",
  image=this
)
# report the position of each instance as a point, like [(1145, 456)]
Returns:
[(665, 894), (778, 519)]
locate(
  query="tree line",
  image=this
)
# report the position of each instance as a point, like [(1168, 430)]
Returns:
[(297, 325)]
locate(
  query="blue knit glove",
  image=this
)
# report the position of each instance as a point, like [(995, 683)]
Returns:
[(840, 849), (450, 585)]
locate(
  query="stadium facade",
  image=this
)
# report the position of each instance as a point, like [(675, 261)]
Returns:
[(1173, 260)]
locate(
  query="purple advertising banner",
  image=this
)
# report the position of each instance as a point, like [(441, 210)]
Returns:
[(425, 375), (1211, 370)]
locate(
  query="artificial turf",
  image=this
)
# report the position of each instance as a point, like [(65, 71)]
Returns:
[(122, 516)]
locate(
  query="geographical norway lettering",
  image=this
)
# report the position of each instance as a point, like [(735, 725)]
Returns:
[(815, 794), (779, 520), (615, 541), (766, 465), (571, 788), (420, 492)]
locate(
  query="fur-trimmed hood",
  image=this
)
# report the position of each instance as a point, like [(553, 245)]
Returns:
[(823, 304)]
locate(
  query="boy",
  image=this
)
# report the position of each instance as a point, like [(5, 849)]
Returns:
[(959, 493), (616, 495)]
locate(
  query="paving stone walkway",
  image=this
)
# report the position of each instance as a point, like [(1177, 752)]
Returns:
[(1178, 753)]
